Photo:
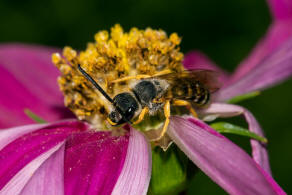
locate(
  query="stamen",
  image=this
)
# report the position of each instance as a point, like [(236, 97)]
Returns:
[(114, 55)]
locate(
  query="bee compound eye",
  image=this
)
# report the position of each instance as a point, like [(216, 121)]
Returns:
[(130, 110)]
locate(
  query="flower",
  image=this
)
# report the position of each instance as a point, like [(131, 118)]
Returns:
[(258, 71), (68, 156)]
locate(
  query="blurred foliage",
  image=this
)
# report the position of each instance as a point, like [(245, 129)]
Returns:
[(225, 30), (211, 26), (169, 171)]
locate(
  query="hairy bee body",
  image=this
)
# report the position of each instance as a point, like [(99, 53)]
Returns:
[(189, 90), (147, 90), (151, 94)]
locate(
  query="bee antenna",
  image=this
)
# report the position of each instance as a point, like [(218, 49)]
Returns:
[(97, 86)]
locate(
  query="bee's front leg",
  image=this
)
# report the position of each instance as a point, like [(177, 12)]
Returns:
[(166, 123), (141, 115)]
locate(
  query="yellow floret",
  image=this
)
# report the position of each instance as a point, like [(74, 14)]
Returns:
[(114, 54)]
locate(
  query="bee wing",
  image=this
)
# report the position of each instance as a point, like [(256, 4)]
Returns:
[(207, 78)]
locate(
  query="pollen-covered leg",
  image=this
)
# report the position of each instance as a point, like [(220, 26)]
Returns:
[(163, 72), (187, 104), (166, 123), (111, 122), (141, 115), (142, 76), (139, 76)]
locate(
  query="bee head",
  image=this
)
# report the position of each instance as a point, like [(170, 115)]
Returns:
[(125, 106)]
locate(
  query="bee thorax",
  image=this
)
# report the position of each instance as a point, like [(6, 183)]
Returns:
[(147, 90)]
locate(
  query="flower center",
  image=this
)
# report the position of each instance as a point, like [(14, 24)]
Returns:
[(113, 57)]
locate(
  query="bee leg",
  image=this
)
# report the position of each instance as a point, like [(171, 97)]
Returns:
[(141, 115), (163, 72), (166, 123), (187, 104), (158, 101), (139, 76), (111, 122)]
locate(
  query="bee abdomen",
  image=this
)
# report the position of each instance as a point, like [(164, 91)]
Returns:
[(202, 99), (190, 90), (201, 95), (180, 91)]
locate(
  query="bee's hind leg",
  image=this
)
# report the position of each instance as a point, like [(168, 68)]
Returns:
[(141, 115), (187, 104), (166, 123)]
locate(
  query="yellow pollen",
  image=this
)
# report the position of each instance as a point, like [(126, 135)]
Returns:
[(113, 55)]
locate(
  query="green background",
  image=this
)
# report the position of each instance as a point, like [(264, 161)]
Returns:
[(225, 30)]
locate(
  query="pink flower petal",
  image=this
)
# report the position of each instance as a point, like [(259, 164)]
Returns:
[(224, 162), (93, 162), (49, 177), (278, 33), (274, 69), (8, 135), (21, 151), (135, 175), (28, 80), (259, 151), (281, 9), (197, 60), (19, 180), (101, 163)]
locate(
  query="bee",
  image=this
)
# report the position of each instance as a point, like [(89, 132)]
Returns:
[(150, 94)]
